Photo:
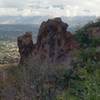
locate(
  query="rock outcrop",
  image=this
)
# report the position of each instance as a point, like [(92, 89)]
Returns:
[(53, 44), (25, 45)]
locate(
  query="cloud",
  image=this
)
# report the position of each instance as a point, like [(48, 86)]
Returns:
[(9, 11), (13, 3), (7, 21), (50, 7)]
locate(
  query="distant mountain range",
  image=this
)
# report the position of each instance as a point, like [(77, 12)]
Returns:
[(12, 31), (78, 21), (38, 19), (22, 19), (13, 26)]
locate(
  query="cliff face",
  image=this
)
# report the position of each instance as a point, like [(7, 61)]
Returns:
[(53, 44)]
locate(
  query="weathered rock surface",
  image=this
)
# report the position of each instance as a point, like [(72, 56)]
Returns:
[(53, 44), (25, 45)]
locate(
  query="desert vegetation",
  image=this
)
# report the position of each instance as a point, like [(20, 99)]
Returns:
[(80, 80), (8, 52)]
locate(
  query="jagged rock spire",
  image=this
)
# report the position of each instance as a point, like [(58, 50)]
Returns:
[(53, 44)]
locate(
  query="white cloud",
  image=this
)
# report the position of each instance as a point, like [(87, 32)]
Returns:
[(50, 7), (9, 11), (7, 21)]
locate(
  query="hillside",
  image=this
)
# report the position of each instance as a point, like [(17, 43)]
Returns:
[(55, 79)]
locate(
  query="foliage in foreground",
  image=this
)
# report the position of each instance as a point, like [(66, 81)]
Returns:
[(80, 82), (84, 82), (55, 82)]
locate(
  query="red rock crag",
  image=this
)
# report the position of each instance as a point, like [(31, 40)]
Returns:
[(53, 44)]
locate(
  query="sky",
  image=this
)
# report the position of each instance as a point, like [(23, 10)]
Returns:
[(52, 8)]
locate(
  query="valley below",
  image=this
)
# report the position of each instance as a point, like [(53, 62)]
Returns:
[(8, 52)]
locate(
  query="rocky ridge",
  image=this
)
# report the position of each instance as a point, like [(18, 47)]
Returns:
[(54, 42)]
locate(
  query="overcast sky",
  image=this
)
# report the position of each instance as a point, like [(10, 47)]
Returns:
[(49, 7)]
